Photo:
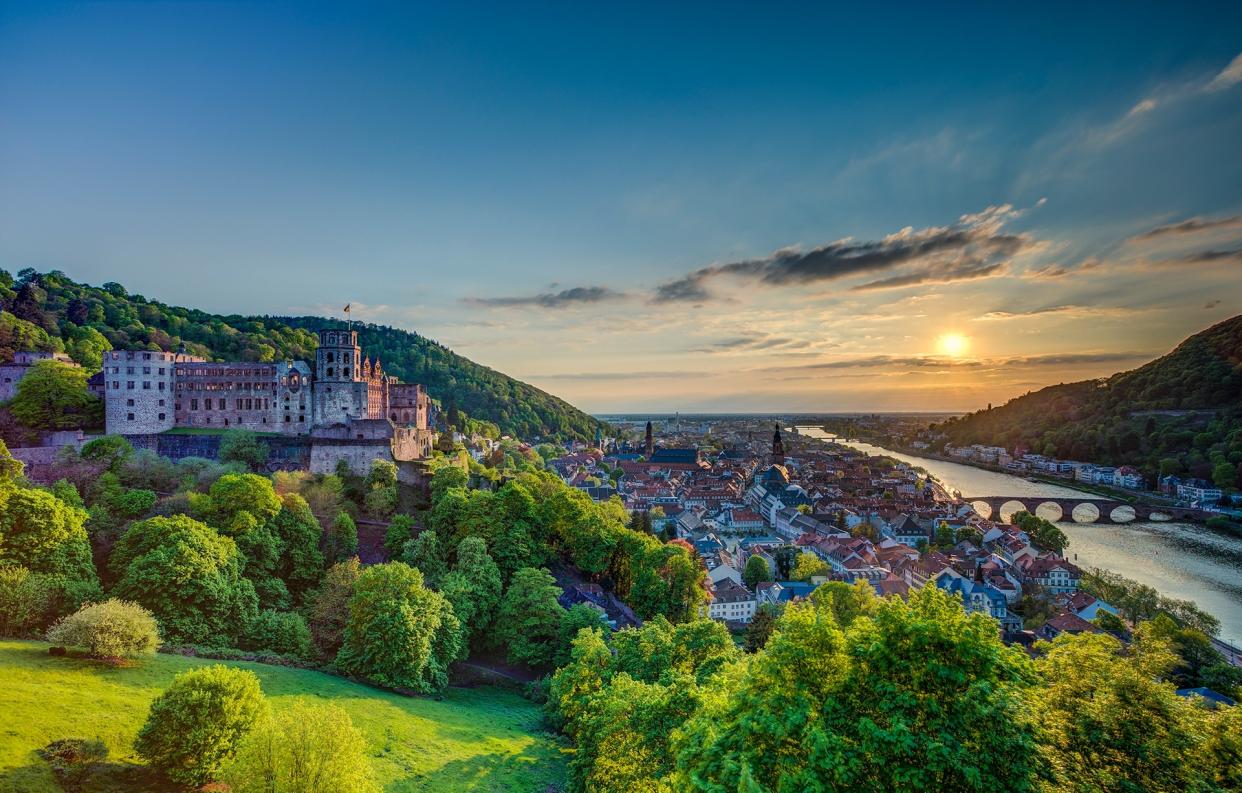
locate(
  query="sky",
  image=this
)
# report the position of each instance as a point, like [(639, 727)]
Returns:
[(653, 207)]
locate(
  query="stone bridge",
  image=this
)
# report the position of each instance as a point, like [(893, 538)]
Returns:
[(1080, 510)]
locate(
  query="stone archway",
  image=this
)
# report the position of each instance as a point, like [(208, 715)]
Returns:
[(982, 508), (1085, 512), (1011, 507), (1050, 510)]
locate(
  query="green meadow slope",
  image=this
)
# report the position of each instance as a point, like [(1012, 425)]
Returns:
[(475, 739)]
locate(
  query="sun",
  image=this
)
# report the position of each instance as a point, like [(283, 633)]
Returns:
[(954, 344)]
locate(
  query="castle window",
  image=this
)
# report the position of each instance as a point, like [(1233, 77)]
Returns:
[(161, 403), (346, 372), (331, 358), (286, 419), (129, 385), (146, 385), (161, 417), (329, 371), (129, 370), (146, 356), (161, 385), (129, 403), (146, 370), (116, 384), (130, 416)]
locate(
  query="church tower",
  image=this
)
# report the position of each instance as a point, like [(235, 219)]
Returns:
[(650, 447), (340, 392), (778, 447)]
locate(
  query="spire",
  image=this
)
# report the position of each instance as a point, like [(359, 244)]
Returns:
[(650, 446), (778, 446)]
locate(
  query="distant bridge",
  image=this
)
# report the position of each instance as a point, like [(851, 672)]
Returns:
[(1079, 510)]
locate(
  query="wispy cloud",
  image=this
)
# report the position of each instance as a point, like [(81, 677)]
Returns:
[(656, 375), (1068, 309), (1230, 76), (975, 246), (1191, 227), (564, 298)]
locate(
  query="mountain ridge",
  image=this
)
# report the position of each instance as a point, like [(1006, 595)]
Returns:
[(1117, 419)]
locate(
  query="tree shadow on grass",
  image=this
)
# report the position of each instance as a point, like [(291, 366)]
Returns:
[(524, 772), (102, 777)]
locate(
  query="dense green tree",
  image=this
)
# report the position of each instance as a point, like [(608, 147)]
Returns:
[(400, 531), (329, 606), (919, 696), (53, 396), (301, 563), (243, 446), (473, 587), (188, 575), (282, 632), (1110, 723), (578, 617), (761, 626), (424, 552), (528, 623), (45, 535), (1044, 534), (807, 566), (756, 572), (341, 540), (235, 495), (399, 633), (197, 724)]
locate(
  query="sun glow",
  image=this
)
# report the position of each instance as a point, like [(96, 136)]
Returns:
[(954, 344)]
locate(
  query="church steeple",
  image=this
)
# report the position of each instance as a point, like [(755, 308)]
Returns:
[(650, 446), (778, 447)]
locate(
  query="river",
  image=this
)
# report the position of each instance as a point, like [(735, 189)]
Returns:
[(1181, 560)]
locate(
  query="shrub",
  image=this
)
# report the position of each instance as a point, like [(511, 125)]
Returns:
[(25, 599), (72, 759), (341, 541), (306, 748), (281, 632), (112, 629), (195, 726)]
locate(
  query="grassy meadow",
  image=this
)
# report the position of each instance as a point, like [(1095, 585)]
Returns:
[(481, 739)]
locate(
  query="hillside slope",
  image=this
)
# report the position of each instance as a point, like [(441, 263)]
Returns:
[(68, 311), (477, 739), (1181, 413)]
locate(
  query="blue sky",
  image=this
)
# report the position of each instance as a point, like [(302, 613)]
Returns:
[(592, 197)]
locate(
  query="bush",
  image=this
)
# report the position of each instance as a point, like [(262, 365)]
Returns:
[(112, 629), (195, 726), (281, 632), (73, 759), (25, 599), (306, 748)]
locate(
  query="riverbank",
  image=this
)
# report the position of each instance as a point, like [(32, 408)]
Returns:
[(1189, 561), (1145, 497)]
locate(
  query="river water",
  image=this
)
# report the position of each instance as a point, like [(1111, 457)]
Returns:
[(1181, 560)]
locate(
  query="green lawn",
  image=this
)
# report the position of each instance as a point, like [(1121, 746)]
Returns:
[(475, 739)]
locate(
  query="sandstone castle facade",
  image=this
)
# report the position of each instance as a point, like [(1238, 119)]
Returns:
[(347, 398)]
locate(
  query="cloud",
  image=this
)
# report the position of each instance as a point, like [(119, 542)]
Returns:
[(974, 247), (1191, 227), (921, 362), (1229, 76), (752, 343), (1212, 303), (1144, 106), (566, 297), (1206, 257), (1068, 309), (617, 375)]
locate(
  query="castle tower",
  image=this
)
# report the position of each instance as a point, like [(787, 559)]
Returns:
[(778, 447), (650, 446), (340, 392)]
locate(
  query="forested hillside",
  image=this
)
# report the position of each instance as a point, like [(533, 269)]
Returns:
[(1181, 413), (50, 311)]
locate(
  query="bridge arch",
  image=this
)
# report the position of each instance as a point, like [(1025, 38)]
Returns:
[(1123, 514), (1050, 510), (1086, 512), (1010, 507), (983, 508)]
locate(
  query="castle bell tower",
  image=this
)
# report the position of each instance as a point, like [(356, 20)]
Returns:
[(340, 393)]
